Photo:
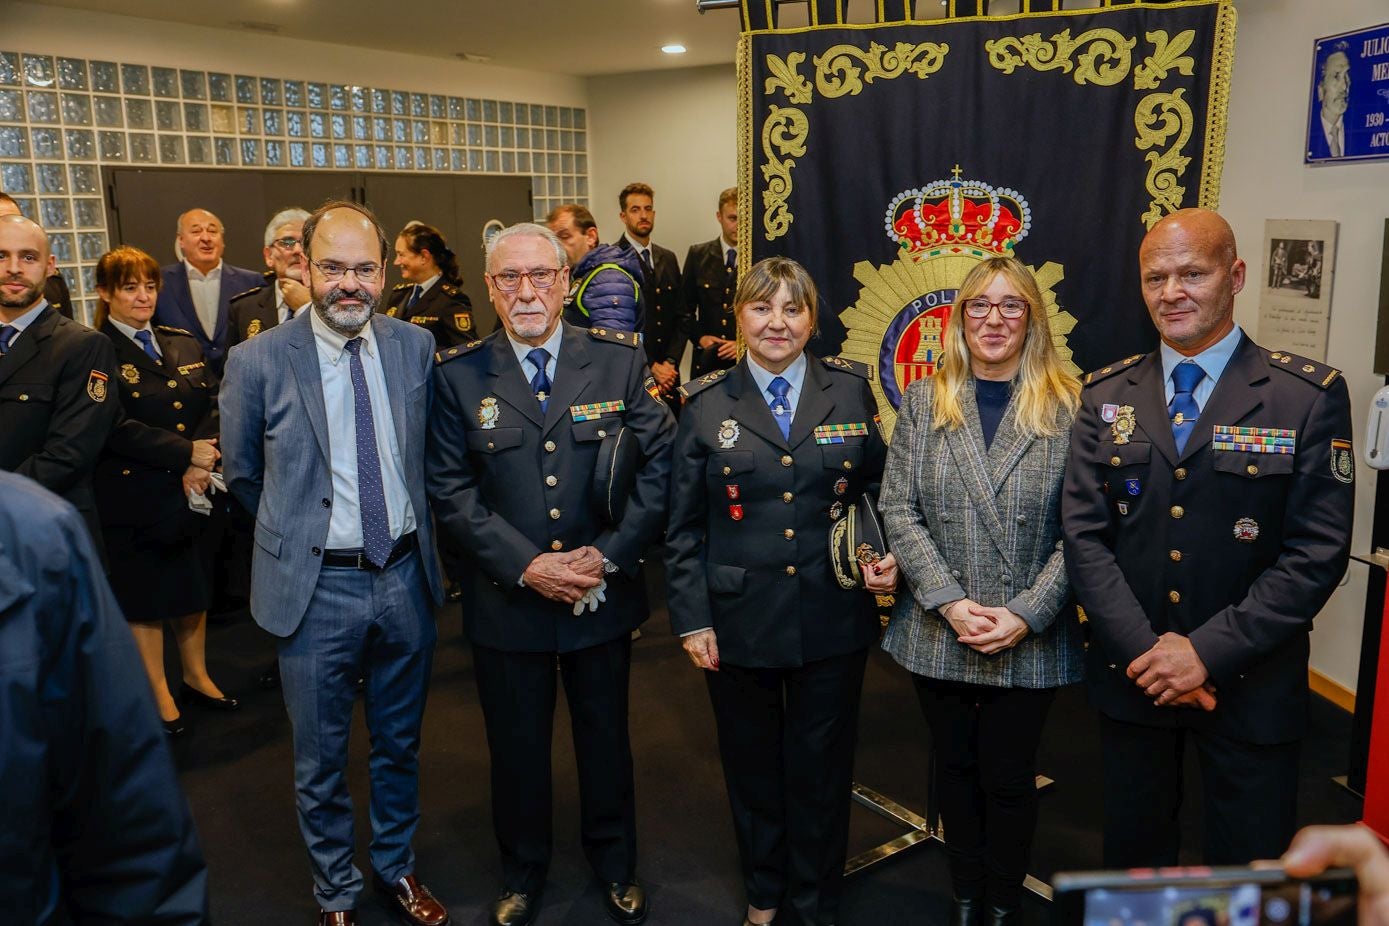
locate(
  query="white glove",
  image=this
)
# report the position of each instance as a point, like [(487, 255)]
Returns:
[(591, 599)]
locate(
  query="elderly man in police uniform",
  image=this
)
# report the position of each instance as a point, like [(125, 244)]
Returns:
[(540, 432), (56, 408), (1207, 516), (284, 293)]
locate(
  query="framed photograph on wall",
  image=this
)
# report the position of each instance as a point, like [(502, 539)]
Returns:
[(1295, 293), (1348, 113)]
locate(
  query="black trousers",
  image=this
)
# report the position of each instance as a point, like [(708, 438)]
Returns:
[(786, 737), (1249, 793), (984, 749), (517, 692)]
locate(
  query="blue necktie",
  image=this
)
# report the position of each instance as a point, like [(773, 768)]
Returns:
[(371, 496), (147, 342), (781, 409), (1183, 409), (414, 297), (540, 382), (7, 333), (730, 260)]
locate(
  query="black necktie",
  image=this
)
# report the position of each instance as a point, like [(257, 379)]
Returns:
[(731, 260), (540, 382), (646, 260)]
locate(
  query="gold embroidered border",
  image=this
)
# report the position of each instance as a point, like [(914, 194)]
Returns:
[(746, 156), (1218, 106)]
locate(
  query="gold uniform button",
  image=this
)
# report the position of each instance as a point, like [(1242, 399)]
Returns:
[(1174, 596), (786, 459), (1179, 472), (556, 544), (1115, 461), (1178, 511), (554, 514), (173, 384), (491, 445), (551, 481), (180, 427), (786, 497), (24, 397), (789, 534), (848, 464), (178, 404), (728, 470), (133, 395), (549, 446), (602, 433), (125, 472), (1252, 470), (1176, 556), (790, 570)]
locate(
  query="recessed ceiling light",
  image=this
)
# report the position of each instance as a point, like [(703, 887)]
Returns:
[(673, 49)]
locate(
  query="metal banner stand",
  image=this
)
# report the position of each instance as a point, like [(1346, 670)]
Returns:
[(920, 830)]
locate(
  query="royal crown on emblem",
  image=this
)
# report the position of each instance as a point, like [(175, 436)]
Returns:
[(961, 216)]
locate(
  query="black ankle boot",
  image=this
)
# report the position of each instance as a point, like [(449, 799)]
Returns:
[(966, 911), (1003, 916)]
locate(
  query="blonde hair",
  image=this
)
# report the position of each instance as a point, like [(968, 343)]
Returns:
[(1043, 385)]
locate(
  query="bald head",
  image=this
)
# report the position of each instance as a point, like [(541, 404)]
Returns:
[(25, 264), (200, 239), (1191, 272)]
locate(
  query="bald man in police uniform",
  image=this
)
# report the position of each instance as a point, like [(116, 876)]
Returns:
[(1207, 515), (552, 574)]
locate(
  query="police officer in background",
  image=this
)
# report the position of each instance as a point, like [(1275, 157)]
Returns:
[(540, 433), (55, 288), (284, 294), (55, 377), (431, 296), (665, 329), (711, 278), (1207, 515)]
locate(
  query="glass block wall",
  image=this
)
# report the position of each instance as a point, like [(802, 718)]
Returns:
[(62, 118)]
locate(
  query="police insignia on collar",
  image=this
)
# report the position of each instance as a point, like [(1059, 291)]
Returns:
[(1246, 530), (488, 414), (129, 373), (1124, 423), (1342, 461), (729, 432)]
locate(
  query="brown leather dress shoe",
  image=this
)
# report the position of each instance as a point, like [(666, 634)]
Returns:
[(337, 918), (413, 903)]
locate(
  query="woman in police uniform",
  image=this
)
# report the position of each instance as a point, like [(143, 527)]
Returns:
[(431, 294), (768, 456), (162, 447)]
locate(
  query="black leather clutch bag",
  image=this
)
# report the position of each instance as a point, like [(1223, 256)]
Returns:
[(857, 541)]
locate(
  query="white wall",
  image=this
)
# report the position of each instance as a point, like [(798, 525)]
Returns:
[(103, 36), (676, 130)]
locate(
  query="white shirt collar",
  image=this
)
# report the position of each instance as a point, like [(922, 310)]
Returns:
[(424, 287), (793, 374), (637, 245), (1212, 360), (27, 319), (195, 274), (551, 344), (332, 345), (726, 246)]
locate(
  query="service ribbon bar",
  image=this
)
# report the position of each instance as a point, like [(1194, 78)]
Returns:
[(1254, 440), (835, 433), (595, 410)]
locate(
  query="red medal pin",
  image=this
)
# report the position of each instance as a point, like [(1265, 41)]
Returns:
[(735, 512), (733, 492)]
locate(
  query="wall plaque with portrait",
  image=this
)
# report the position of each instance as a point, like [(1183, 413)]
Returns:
[(1348, 117), (1295, 293)]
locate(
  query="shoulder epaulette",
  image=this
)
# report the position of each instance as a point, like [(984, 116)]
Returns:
[(1108, 371), (1318, 374), (450, 290), (629, 338), (399, 286), (250, 292), (695, 386), (444, 356), (170, 329), (848, 366)]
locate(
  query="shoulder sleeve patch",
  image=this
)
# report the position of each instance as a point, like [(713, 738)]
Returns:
[(453, 353), (1319, 374), (848, 366), (250, 292), (695, 386), (1109, 370), (629, 338), (170, 329)]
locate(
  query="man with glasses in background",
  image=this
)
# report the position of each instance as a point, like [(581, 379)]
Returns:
[(284, 292), (323, 433), (543, 431)]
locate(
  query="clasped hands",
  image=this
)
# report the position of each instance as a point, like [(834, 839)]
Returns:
[(574, 577), (727, 349), (986, 630), (202, 459), (1173, 675)]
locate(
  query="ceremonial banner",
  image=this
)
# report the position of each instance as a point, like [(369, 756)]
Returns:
[(890, 158)]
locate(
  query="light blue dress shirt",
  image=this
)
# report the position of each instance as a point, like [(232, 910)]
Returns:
[(551, 344), (1213, 360), (25, 320), (794, 374), (335, 371)]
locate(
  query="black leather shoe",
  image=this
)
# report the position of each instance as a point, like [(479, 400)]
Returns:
[(966, 911), (189, 694), (175, 727), (625, 903), (1003, 916), (512, 908)]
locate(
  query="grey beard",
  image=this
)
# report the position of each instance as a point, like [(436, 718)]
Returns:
[(346, 322)]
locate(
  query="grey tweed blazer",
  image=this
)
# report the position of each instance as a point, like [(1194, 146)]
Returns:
[(969, 523)]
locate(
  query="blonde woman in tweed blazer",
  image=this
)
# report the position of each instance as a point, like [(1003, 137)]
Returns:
[(971, 504)]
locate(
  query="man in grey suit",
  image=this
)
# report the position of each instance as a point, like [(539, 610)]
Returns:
[(323, 434)]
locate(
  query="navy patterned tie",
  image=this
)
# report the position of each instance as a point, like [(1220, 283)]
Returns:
[(371, 497), (147, 342), (7, 333), (1183, 409), (781, 409), (540, 382)]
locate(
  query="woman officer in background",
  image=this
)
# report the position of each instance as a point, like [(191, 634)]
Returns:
[(768, 455), (163, 447), (431, 295)]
